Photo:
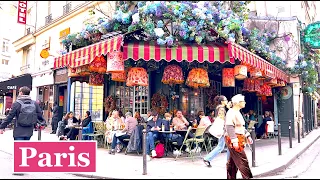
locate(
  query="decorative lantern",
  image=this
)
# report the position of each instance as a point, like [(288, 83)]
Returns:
[(261, 91), (115, 62), (267, 90), (119, 76), (257, 74), (96, 79), (137, 76), (240, 72), (172, 74), (83, 70), (246, 84), (252, 85), (98, 65), (198, 77), (72, 72), (272, 82), (228, 79)]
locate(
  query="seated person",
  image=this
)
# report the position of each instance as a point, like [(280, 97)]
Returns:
[(153, 126), (130, 125), (204, 120), (180, 122), (173, 137), (73, 133), (112, 123), (69, 121)]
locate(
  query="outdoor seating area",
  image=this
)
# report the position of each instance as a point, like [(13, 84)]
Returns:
[(201, 142)]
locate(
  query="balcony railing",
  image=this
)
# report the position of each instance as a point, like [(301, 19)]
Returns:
[(24, 68), (66, 8), (45, 62), (48, 19)]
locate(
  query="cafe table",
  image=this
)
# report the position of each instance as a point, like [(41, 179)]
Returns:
[(166, 140)]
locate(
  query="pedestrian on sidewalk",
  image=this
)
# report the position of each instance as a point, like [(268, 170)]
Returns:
[(219, 122), (26, 112), (55, 118), (236, 139)]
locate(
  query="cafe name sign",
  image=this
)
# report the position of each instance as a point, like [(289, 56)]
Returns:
[(312, 35)]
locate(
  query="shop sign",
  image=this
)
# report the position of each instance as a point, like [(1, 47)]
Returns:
[(11, 87), (312, 35), (46, 44), (286, 92), (64, 32), (22, 12), (61, 76)]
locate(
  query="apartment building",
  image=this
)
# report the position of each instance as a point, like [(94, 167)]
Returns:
[(48, 23)]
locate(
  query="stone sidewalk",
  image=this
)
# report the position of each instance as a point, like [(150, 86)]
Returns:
[(113, 166)]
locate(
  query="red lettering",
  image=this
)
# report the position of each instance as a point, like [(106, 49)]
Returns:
[(22, 9)]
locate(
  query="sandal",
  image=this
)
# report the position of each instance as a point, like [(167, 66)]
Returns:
[(207, 163)]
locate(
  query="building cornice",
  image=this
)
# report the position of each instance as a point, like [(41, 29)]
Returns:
[(24, 41)]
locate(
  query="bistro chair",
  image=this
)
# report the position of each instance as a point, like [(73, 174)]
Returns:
[(99, 131), (197, 139), (184, 142), (270, 129), (209, 138)]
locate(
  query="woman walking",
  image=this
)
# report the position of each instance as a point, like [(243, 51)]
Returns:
[(218, 124)]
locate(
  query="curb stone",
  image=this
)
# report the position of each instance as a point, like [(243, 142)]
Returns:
[(92, 176), (283, 167)]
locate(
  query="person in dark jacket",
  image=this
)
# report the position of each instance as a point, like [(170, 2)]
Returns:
[(21, 132), (73, 133), (153, 126), (55, 118)]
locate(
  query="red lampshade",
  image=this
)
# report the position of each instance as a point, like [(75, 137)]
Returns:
[(240, 72), (98, 65), (228, 79), (172, 74), (198, 77), (119, 76), (137, 76), (115, 62), (96, 79)]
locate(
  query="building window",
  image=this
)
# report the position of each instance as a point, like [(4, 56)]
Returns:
[(5, 46), (132, 98), (88, 98), (5, 62)]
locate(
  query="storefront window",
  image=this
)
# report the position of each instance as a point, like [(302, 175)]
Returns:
[(126, 95), (88, 98)]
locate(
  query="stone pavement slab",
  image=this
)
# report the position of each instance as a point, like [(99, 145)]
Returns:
[(130, 166)]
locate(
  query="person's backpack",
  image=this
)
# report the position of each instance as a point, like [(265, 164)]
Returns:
[(28, 114), (159, 150)]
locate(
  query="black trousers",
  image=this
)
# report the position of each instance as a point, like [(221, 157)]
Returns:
[(54, 125), (73, 133)]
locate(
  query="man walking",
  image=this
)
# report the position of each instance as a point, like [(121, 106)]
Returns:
[(55, 118), (236, 139), (26, 113)]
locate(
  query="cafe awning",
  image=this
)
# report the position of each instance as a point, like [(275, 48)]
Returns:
[(87, 54), (201, 53), (247, 57), (16, 83)]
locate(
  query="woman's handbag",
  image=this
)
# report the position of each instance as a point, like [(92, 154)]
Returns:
[(217, 128)]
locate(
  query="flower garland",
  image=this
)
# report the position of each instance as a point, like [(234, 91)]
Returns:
[(160, 103)]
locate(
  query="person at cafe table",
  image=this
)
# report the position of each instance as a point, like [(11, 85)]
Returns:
[(73, 133), (180, 122), (130, 125), (153, 128)]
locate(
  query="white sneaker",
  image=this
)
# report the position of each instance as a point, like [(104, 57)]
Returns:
[(176, 153), (153, 153), (148, 158), (196, 150), (187, 150)]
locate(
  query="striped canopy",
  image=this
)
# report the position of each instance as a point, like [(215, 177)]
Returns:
[(87, 54), (247, 57), (148, 51)]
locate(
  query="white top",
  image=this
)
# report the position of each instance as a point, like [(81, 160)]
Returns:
[(235, 118)]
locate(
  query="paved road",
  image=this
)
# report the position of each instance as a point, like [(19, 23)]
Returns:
[(305, 167)]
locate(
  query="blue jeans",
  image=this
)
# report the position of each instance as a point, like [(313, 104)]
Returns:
[(217, 150), (151, 137), (22, 138)]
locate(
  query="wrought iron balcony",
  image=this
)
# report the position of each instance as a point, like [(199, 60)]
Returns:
[(48, 19), (67, 8)]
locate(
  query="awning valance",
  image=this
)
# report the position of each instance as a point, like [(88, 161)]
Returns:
[(87, 54), (148, 51), (247, 57), (16, 83)]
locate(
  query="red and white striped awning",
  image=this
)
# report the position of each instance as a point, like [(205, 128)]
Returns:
[(150, 51), (247, 57), (87, 54)]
